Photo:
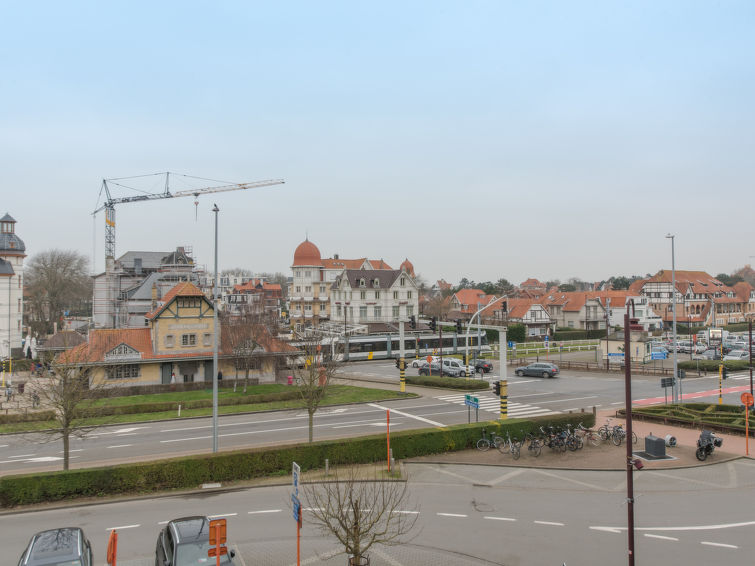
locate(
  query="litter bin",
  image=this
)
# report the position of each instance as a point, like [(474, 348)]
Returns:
[(290, 379), (21, 388), (670, 440)]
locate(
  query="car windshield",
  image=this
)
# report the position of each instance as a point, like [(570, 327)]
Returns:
[(196, 553)]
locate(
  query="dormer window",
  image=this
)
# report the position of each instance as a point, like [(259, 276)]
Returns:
[(403, 281), (376, 283), (362, 283)]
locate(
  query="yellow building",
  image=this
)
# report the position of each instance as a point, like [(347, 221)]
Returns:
[(177, 346)]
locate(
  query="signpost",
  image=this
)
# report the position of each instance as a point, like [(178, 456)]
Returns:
[(295, 472), (112, 548), (470, 402), (217, 540), (747, 400), (666, 382)]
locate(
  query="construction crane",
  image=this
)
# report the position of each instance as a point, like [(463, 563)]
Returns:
[(110, 202)]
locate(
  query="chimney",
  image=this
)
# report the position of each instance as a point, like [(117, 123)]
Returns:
[(154, 296), (335, 256)]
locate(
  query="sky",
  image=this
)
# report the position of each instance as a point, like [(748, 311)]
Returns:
[(478, 139)]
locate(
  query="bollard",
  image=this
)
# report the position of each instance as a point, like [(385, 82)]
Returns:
[(179, 410), (393, 460), (290, 379), (326, 467)]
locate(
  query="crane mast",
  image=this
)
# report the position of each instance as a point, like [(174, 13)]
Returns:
[(110, 202)]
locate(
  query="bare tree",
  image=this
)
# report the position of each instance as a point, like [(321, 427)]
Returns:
[(438, 306), (313, 379), (361, 513), (64, 390), (56, 281), (243, 333)]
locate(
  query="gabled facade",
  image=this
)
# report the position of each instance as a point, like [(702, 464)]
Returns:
[(12, 254), (529, 312), (466, 302), (361, 296), (175, 346)]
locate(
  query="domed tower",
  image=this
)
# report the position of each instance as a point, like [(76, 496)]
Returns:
[(408, 267), (308, 293), (12, 254)]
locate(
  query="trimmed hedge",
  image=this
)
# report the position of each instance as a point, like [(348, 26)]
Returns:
[(27, 417), (450, 382), (191, 472), (712, 365)]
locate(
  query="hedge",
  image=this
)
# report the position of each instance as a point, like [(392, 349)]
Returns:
[(191, 472), (450, 382), (712, 365)]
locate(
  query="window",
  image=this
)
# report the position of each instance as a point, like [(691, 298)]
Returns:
[(409, 310), (297, 273), (377, 294), (170, 341), (188, 340), (129, 371), (408, 294), (403, 281), (395, 312), (308, 289), (322, 289), (362, 313), (189, 302), (338, 310), (363, 295), (207, 339), (395, 294), (378, 312), (362, 283), (298, 289), (307, 273)]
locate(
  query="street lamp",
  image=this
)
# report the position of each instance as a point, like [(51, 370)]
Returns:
[(215, 209), (673, 308)]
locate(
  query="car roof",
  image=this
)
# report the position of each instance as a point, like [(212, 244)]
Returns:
[(55, 546), (191, 529)]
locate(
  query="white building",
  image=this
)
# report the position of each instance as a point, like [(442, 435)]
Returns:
[(12, 254), (362, 296)]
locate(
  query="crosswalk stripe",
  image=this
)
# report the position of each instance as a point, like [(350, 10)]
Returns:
[(493, 405)]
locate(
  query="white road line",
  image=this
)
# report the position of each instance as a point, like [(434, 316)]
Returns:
[(163, 522), (122, 527), (500, 518), (619, 403), (661, 537), (22, 456), (450, 515), (693, 528), (222, 515), (548, 523), (408, 512), (721, 545), (263, 511), (3, 446), (422, 419), (120, 446), (564, 400)]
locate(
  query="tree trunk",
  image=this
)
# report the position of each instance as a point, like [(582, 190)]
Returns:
[(66, 449), (311, 424)]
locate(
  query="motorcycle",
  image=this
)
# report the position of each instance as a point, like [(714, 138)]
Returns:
[(706, 444)]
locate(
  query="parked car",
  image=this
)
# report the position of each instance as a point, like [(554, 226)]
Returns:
[(709, 354), (418, 362), (68, 546), (457, 366), (483, 366), (186, 541), (539, 369), (737, 355), (434, 369)]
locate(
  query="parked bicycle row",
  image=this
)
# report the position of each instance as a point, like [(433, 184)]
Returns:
[(557, 439)]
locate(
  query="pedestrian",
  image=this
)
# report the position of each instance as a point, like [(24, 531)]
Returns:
[(172, 377), (8, 393)]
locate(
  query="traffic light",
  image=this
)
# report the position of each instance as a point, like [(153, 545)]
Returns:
[(497, 387), (725, 373), (458, 326), (433, 323), (412, 322), (504, 306), (398, 363)]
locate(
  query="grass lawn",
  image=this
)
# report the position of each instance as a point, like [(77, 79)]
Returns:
[(337, 395)]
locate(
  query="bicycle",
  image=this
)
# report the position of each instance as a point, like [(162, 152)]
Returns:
[(592, 437), (619, 434), (485, 443), (511, 446), (533, 443)]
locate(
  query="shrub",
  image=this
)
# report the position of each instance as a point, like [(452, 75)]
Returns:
[(449, 382)]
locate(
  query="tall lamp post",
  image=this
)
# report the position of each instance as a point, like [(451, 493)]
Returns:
[(215, 209), (673, 308)]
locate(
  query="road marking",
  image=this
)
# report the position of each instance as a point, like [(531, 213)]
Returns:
[(564, 400), (3, 446), (22, 456), (222, 515), (500, 518), (403, 414), (721, 545), (450, 515), (263, 511), (121, 446), (548, 523), (616, 530), (123, 527), (661, 537), (408, 512), (691, 528)]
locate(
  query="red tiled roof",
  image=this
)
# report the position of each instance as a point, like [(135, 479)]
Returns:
[(183, 289)]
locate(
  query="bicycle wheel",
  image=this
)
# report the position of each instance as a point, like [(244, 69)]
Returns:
[(616, 438), (498, 441), (515, 451), (571, 444), (594, 438), (504, 446), (536, 448), (603, 433), (580, 443), (634, 437), (483, 444)]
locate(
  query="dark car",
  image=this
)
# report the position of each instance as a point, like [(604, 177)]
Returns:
[(186, 541), (434, 369), (67, 546), (483, 366), (539, 369)]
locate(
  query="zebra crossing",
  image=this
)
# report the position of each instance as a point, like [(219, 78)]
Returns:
[(493, 405)]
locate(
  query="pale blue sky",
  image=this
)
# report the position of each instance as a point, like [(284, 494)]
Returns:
[(478, 139)]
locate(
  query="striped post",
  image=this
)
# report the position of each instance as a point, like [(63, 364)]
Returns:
[(504, 399), (402, 374)]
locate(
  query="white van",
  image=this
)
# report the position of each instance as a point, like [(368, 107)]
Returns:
[(455, 367)]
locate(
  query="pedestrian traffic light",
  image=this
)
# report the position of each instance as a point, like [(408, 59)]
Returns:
[(433, 323), (398, 363), (497, 387), (725, 373), (413, 322), (458, 326)]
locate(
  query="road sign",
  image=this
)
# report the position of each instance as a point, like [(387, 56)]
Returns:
[(295, 472), (429, 359), (472, 401), (546, 338), (658, 355), (747, 399), (217, 531), (297, 507), (667, 382), (616, 354)]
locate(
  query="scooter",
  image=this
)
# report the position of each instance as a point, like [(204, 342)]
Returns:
[(706, 444)]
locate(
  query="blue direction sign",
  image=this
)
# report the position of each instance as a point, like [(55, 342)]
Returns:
[(618, 354), (658, 356), (472, 401), (297, 507)]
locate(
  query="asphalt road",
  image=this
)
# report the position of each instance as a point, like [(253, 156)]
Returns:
[(467, 515), (528, 396)]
